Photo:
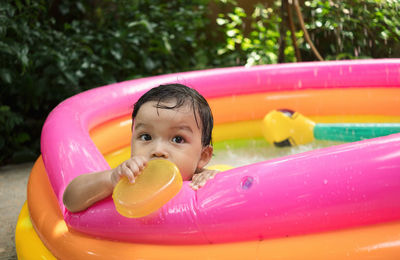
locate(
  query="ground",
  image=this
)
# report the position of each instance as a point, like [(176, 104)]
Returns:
[(13, 184)]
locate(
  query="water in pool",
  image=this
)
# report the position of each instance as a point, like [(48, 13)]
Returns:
[(242, 152)]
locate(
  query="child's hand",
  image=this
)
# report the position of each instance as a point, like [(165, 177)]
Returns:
[(130, 168), (201, 178)]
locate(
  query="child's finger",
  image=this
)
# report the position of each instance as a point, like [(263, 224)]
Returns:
[(136, 165), (133, 167), (212, 174), (196, 178), (127, 171), (199, 180), (116, 175), (194, 186), (139, 162), (201, 183)]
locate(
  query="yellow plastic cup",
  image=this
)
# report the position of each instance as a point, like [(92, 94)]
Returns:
[(159, 182)]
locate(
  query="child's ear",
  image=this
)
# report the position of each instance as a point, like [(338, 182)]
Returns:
[(205, 157)]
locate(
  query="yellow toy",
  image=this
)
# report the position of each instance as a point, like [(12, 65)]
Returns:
[(287, 128)]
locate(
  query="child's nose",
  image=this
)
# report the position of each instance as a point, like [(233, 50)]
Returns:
[(160, 151), (160, 154)]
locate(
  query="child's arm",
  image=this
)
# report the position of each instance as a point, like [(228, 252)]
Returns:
[(201, 178), (87, 189)]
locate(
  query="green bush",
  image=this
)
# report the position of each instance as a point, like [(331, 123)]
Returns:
[(354, 29), (51, 50), (339, 29), (261, 45)]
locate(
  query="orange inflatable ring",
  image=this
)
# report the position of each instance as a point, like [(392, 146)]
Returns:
[(380, 240)]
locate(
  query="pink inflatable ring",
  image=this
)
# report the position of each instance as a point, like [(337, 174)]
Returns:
[(344, 186)]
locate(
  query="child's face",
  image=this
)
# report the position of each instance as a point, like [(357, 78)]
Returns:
[(170, 134)]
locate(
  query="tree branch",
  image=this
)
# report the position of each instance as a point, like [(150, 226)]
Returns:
[(306, 35), (293, 31), (282, 33)]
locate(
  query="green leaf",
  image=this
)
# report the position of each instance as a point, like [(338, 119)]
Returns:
[(5, 75)]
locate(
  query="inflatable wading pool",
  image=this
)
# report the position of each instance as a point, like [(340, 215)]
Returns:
[(331, 203)]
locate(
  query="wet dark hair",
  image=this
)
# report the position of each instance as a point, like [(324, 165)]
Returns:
[(182, 95)]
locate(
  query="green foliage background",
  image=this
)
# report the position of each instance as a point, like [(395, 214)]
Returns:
[(349, 29), (51, 50)]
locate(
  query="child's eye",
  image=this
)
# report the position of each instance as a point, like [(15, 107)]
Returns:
[(178, 139), (145, 137)]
